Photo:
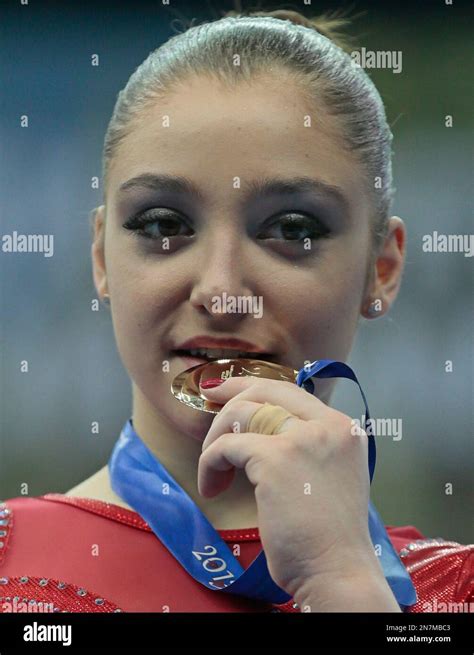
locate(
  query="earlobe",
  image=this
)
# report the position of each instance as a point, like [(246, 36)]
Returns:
[(388, 271), (375, 309)]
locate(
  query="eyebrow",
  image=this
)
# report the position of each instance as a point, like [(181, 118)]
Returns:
[(260, 187)]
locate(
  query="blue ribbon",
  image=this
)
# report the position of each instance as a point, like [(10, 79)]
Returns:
[(142, 482), (328, 368)]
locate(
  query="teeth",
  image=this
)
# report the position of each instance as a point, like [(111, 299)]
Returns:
[(220, 353)]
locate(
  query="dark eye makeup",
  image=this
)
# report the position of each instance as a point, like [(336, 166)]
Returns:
[(168, 221), (289, 226)]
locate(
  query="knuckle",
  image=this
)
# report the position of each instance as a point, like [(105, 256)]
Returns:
[(334, 435), (343, 421), (230, 406), (288, 446), (320, 431), (297, 440), (239, 404)]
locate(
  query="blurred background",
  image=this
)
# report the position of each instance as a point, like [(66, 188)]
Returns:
[(75, 374)]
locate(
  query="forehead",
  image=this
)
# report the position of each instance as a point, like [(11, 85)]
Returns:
[(212, 134)]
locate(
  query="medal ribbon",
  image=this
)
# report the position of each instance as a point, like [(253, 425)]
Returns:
[(140, 479)]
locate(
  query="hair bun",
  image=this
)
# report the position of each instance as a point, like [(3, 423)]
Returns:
[(329, 25)]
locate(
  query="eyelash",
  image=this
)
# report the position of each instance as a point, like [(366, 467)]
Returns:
[(138, 223)]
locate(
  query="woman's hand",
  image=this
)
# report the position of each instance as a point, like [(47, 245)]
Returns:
[(311, 487)]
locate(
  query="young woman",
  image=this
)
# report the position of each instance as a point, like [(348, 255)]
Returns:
[(247, 157)]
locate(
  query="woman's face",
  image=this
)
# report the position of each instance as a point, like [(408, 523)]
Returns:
[(301, 256)]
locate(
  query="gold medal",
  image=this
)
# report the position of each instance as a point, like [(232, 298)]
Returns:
[(185, 386)]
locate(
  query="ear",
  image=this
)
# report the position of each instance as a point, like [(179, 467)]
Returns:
[(386, 275), (97, 251)]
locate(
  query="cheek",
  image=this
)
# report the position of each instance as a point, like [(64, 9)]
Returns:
[(128, 281), (319, 307), (141, 285)]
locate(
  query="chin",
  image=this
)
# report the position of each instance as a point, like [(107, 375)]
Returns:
[(192, 422)]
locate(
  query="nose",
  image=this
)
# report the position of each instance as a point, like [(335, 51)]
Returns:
[(220, 272)]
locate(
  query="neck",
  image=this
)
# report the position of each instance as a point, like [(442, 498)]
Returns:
[(179, 453)]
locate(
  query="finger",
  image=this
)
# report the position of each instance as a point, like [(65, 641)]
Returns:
[(218, 462), (235, 417), (277, 392)]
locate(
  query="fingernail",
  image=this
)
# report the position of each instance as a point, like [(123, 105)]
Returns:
[(211, 383)]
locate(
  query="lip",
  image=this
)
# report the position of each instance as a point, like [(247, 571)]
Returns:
[(203, 341)]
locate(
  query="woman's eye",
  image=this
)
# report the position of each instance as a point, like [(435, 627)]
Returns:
[(295, 227), (158, 224), (161, 223)]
